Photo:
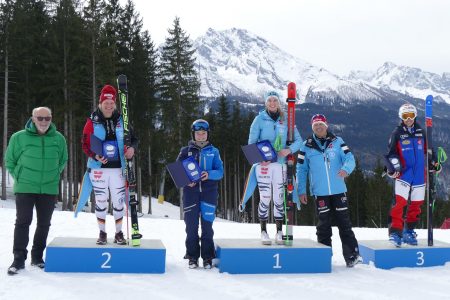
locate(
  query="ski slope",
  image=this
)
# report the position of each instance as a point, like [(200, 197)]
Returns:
[(179, 282)]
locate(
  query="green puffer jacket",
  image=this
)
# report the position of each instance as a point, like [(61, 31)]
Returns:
[(36, 161)]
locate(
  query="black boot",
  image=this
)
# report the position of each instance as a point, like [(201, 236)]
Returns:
[(119, 239), (16, 266), (102, 238), (193, 263), (207, 263), (38, 262)]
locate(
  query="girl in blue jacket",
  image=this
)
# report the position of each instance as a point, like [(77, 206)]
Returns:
[(200, 199), (271, 125), (328, 160)]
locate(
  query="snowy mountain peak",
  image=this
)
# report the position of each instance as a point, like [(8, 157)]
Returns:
[(411, 81), (236, 62)]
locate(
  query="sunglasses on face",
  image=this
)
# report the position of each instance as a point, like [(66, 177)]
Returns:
[(40, 119), (408, 115)]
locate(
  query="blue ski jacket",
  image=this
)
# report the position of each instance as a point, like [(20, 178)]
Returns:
[(265, 128), (322, 163), (209, 160), (410, 147)]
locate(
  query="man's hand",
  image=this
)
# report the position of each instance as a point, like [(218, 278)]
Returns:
[(303, 199), (342, 173), (192, 184)]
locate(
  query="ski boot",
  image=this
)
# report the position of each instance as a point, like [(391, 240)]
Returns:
[(410, 237), (395, 239)]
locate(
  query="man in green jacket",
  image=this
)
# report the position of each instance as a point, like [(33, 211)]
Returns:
[(35, 158)]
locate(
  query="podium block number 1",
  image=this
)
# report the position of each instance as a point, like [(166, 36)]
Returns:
[(277, 261)]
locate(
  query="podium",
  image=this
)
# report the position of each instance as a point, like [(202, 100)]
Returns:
[(249, 256), (84, 255), (384, 255)]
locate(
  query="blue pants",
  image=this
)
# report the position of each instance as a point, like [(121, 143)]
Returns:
[(199, 205)]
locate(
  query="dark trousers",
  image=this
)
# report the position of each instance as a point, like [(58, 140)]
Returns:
[(336, 207), (25, 203), (195, 245)]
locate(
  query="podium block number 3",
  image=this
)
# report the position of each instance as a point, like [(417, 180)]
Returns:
[(420, 258), (277, 261), (108, 258)]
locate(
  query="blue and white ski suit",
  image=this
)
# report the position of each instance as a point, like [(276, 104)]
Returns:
[(271, 178)]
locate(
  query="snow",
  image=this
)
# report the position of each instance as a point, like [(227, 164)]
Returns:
[(179, 282)]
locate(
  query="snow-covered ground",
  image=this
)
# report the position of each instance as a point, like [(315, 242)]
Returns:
[(179, 282)]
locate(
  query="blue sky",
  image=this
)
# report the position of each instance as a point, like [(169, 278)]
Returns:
[(340, 35)]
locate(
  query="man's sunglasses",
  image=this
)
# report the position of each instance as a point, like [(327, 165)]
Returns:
[(40, 119)]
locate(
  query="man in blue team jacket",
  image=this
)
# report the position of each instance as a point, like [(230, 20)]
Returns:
[(328, 160)]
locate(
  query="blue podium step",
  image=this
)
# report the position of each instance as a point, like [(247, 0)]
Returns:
[(249, 256), (384, 255), (83, 255)]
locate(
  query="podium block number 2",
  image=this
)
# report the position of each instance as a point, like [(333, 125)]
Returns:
[(108, 258), (277, 261), (420, 258)]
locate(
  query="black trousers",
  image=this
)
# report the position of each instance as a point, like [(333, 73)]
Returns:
[(45, 204), (335, 207)]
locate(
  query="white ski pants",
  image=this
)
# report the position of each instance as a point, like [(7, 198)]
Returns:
[(102, 180), (271, 185)]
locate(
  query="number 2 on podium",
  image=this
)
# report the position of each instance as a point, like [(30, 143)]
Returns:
[(108, 258)]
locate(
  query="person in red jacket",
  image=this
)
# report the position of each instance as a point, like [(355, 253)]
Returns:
[(106, 168)]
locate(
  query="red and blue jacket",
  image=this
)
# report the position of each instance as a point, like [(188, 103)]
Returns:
[(409, 145)]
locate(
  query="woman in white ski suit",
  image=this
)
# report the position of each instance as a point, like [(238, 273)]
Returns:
[(271, 124)]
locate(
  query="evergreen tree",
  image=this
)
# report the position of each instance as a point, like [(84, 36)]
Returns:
[(28, 40), (356, 186), (379, 195), (93, 16), (222, 128), (179, 88)]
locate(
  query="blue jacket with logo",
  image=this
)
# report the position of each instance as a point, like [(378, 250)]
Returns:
[(322, 163), (265, 128), (209, 160), (410, 147)]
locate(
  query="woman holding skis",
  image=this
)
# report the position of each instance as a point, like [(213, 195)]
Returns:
[(271, 124), (105, 127)]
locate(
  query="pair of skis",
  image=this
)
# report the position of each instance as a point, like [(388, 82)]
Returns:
[(130, 178), (289, 206), (431, 173)]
